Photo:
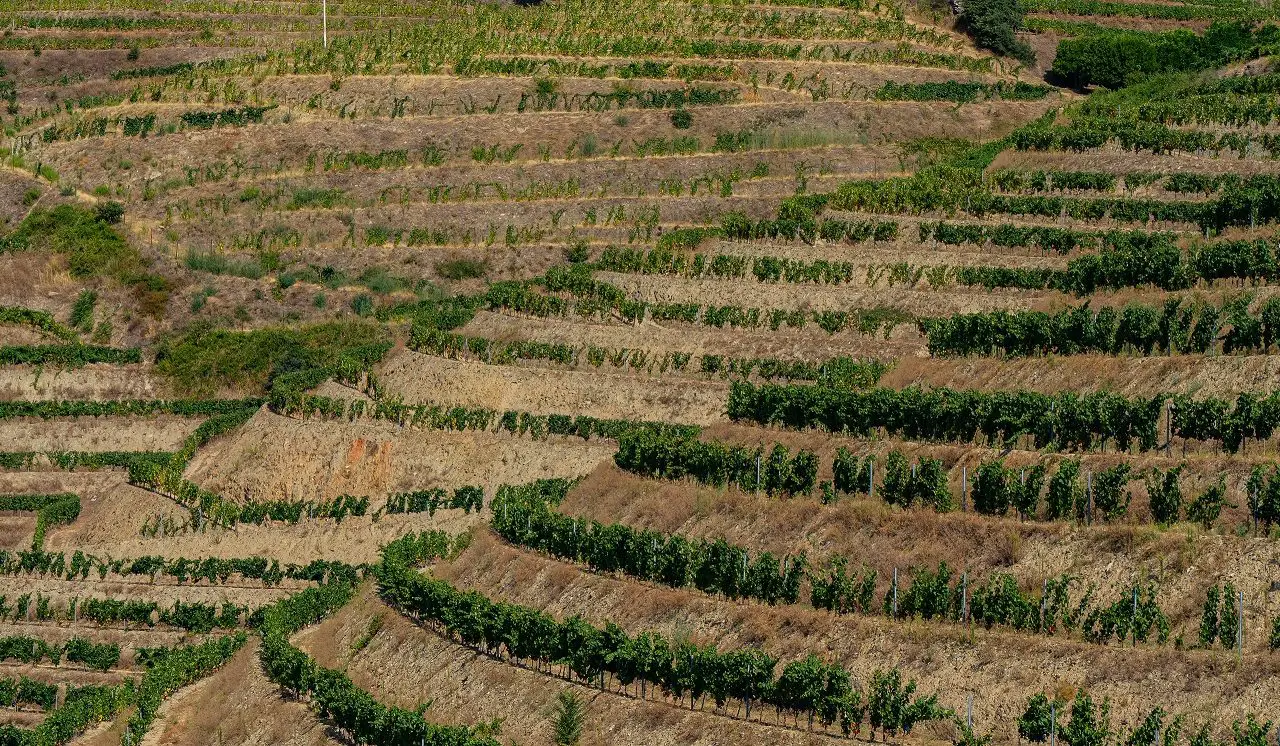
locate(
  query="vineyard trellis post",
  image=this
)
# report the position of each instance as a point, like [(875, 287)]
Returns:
[(324, 21), (895, 592), (1135, 614), (1022, 516), (1168, 429), (871, 477), (968, 718), (964, 489), (757, 474), (1088, 513), (1254, 513), (1053, 723), (964, 597), (1239, 624)]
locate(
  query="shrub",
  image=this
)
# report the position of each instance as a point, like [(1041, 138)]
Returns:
[(460, 269), (88, 240), (110, 212), (362, 304), (681, 119), (1117, 59), (992, 23), (82, 310)]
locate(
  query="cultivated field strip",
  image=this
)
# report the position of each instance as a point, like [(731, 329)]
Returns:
[(739, 372)]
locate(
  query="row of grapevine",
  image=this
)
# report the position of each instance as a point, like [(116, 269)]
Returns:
[(129, 408), (592, 298), (68, 356), (1190, 327), (83, 707), (437, 417), (27, 691), (332, 693), (41, 321), (72, 460), (678, 669), (1232, 109), (1067, 420), (1180, 12), (1137, 136), (100, 657), (1079, 720), (621, 97), (943, 595), (527, 67), (211, 570), (670, 456), (169, 669), (843, 370), (143, 125), (195, 616), (949, 189), (429, 501), (1126, 259), (1009, 180), (961, 91), (523, 516), (56, 509), (1059, 240)]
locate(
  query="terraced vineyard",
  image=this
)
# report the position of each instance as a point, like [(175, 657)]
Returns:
[(791, 372)]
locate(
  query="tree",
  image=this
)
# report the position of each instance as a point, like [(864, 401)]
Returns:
[(570, 715), (992, 24)]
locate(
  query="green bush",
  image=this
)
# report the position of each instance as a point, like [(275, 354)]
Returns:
[(362, 304), (460, 269), (204, 359), (110, 212), (1117, 59), (92, 246), (82, 311), (992, 23), (681, 119)]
